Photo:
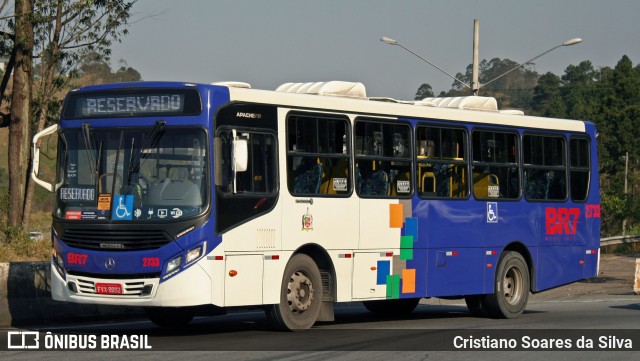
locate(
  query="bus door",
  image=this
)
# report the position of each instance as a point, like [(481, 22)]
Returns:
[(383, 183)]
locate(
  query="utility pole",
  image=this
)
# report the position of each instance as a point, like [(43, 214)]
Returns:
[(475, 86), (626, 169)]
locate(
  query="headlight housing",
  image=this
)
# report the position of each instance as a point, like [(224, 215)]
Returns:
[(195, 253), (173, 265)]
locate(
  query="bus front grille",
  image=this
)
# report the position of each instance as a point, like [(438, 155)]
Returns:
[(109, 240)]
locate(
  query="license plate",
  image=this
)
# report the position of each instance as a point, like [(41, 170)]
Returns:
[(109, 288)]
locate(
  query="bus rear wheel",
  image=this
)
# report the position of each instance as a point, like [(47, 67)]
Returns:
[(512, 284), (300, 296), (169, 317)]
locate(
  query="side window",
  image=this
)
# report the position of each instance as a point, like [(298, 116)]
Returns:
[(383, 159), (545, 171), (318, 156), (495, 169), (442, 164), (243, 194), (580, 168)]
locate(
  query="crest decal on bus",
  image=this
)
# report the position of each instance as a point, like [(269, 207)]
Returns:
[(307, 221)]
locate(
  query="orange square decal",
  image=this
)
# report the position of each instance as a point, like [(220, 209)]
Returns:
[(396, 215), (408, 281)]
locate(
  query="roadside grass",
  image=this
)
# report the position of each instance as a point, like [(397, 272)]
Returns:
[(23, 249)]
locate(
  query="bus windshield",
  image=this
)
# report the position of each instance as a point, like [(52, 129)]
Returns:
[(137, 174)]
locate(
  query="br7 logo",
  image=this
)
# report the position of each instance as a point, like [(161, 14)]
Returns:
[(562, 220)]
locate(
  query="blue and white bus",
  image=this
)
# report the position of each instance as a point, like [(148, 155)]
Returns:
[(187, 198)]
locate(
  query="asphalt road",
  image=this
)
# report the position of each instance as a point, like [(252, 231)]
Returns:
[(611, 322), (603, 310)]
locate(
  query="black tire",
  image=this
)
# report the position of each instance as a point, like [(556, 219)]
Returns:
[(397, 307), (511, 291), (300, 296), (474, 304), (169, 317)]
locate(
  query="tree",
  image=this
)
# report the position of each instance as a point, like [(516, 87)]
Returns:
[(511, 88), (547, 100), (60, 33), (20, 107), (65, 32), (424, 91)]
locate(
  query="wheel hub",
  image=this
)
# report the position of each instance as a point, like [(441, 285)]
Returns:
[(300, 292), (512, 284)]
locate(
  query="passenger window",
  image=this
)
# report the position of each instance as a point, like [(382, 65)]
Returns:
[(495, 169), (441, 162), (318, 156), (580, 168), (383, 159), (545, 171)]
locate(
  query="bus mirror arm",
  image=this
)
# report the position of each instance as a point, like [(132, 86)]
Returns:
[(36, 158)]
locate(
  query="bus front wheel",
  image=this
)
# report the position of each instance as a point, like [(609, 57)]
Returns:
[(300, 296), (512, 284)]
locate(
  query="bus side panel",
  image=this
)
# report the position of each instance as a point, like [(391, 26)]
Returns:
[(454, 273), (559, 265), (592, 212), (398, 270), (451, 235)]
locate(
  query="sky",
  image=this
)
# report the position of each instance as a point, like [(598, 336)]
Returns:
[(270, 42)]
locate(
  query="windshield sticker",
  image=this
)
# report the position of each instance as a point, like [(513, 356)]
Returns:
[(162, 213), (89, 215), (176, 213), (122, 207), (77, 194), (104, 202), (137, 213), (494, 191), (73, 215), (72, 170)]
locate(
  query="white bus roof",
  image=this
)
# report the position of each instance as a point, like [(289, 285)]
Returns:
[(350, 98)]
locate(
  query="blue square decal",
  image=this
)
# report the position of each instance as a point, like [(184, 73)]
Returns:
[(384, 269)]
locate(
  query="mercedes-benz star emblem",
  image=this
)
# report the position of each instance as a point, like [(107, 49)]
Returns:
[(110, 264)]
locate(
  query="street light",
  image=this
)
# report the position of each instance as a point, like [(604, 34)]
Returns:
[(569, 42), (475, 91), (390, 41)]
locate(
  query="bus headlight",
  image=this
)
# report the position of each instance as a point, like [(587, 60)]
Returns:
[(173, 265), (195, 253)]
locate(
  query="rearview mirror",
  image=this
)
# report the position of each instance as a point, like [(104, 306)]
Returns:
[(36, 158)]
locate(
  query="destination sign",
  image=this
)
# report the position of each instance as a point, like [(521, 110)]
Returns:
[(114, 105), (155, 102)]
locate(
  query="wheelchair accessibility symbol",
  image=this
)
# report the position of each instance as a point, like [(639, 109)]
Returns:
[(492, 212), (122, 207)]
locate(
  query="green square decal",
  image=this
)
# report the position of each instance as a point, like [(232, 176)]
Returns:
[(406, 248), (393, 286), (406, 254)]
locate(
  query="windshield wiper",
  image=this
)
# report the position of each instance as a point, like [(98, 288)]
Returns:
[(86, 134), (151, 141)]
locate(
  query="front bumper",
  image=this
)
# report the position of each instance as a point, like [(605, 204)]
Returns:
[(190, 287)]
